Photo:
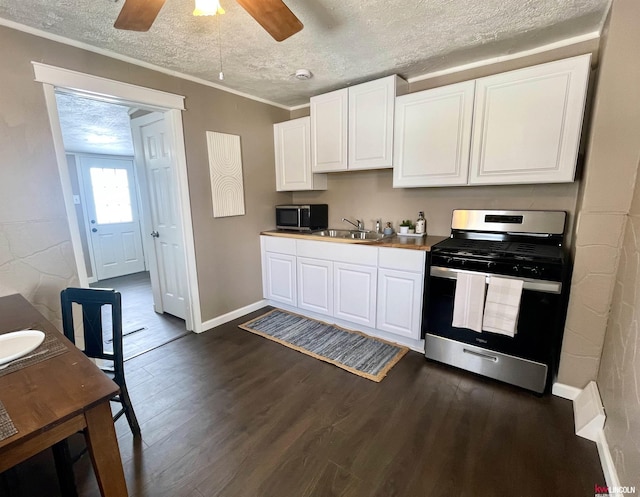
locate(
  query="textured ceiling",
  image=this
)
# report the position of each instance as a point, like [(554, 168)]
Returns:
[(343, 41), (94, 127)]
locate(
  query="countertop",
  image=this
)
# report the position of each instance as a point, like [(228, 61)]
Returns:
[(395, 241)]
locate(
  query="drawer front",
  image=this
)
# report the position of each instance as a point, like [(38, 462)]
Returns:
[(338, 252), (402, 259), (280, 245)]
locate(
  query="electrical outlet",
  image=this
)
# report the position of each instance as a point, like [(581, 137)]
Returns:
[(76, 199)]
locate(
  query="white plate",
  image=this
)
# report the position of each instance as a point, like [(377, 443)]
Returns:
[(19, 343)]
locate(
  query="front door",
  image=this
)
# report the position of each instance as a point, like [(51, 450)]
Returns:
[(162, 199), (112, 211)]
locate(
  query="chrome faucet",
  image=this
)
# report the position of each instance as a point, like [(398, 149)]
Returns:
[(358, 224)]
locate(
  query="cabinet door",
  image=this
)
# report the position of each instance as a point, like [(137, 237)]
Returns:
[(329, 131), (527, 123), (293, 157), (433, 136), (315, 285), (355, 293), (280, 278), (371, 124), (400, 302)]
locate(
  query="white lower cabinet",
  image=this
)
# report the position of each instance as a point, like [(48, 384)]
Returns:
[(373, 288), (279, 269), (400, 302), (315, 285), (280, 278), (355, 293), (400, 291)]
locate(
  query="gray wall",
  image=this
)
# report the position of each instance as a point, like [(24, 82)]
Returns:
[(36, 257)]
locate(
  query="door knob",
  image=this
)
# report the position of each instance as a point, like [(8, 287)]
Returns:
[(155, 234)]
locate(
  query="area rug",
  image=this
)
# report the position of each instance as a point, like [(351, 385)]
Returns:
[(352, 351)]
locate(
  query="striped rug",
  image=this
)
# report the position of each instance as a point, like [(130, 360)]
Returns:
[(352, 351)]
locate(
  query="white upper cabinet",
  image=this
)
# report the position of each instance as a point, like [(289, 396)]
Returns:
[(292, 143), (527, 123), (352, 128), (433, 136), (329, 131), (371, 108)]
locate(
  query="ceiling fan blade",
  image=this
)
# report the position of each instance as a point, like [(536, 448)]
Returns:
[(274, 16), (138, 15)]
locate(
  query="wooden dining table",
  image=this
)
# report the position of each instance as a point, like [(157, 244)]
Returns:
[(55, 398)]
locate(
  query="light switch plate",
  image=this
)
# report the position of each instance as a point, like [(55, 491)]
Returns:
[(76, 199)]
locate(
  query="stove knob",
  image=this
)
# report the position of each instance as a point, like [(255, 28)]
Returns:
[(534, 271), (516, 269)]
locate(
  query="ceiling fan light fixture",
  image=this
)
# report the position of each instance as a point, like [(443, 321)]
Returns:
[(208, 8)]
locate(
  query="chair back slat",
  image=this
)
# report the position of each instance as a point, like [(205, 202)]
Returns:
[(92, 301)]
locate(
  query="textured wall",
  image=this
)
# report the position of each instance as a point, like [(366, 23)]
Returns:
[(619, 372), (619, 375), (605, 197), (36, 257)]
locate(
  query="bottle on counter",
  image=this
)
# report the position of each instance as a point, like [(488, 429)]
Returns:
[(421, 224)]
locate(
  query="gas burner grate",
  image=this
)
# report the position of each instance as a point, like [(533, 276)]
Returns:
[(499, 249)]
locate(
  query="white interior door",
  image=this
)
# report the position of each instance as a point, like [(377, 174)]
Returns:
[(155, 155), (113, 219)]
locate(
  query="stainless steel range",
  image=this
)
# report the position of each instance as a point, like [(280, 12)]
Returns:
[(497, 295)]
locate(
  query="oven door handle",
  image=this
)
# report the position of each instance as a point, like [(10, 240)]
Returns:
[(529, 284)]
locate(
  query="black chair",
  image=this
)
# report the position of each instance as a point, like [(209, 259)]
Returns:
[(92, 301)]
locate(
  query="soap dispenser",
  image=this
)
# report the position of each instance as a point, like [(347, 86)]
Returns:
[(421, 224)]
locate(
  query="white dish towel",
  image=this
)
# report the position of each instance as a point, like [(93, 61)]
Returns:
[(469, 301), (503, 306)]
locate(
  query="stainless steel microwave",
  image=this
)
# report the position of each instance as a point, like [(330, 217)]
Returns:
[(307, 217)]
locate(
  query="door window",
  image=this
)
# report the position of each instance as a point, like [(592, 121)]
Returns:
[(111, 194)]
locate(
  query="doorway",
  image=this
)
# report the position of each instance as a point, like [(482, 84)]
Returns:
[(171, 105), (110, 190)]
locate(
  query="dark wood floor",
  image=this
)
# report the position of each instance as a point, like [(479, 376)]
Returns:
[(231, 414), (143, 328)]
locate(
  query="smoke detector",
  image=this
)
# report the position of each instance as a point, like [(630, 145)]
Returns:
[(303, 74)]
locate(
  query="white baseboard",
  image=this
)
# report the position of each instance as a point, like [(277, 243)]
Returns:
[(565, 391), (92, 279), (589, 419), (608, 468), (230, 316), (588, 412)]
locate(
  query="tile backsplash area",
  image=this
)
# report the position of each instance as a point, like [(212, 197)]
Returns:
[(369, 195)]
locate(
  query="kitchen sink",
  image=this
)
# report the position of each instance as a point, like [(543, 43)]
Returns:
[(333, 233), (369, 236)]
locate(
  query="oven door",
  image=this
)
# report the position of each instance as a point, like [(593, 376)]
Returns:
[(529, 359), (538, 322)]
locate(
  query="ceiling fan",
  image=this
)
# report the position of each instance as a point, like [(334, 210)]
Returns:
[(273, 15)]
